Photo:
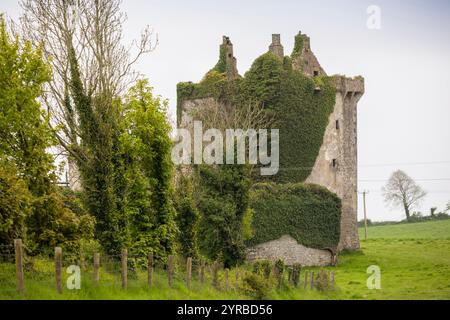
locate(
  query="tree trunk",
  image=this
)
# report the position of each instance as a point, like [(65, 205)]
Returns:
[(406, 212)]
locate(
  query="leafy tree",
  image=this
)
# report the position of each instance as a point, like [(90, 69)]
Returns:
[(82, 41), (187, 216), (223, 202), (25, 136), (15, 200), (401, 190), (145, 186)]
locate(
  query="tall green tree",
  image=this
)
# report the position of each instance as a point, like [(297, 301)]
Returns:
[(25, 137), (187, 215), (223, 200), (145, 186), (92, 69)]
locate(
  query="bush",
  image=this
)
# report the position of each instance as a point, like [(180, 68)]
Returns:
[(263, 267), (322, 281), (223, 202), (15, 204), (309, 213), (255, 286)]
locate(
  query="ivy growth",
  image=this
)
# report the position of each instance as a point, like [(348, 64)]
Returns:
[(308, 213), (300, 110)]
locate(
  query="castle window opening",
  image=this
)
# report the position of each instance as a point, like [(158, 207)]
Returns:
[(337, 124), (334, 163), (316, 73)]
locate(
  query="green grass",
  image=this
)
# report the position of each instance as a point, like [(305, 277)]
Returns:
[(410, 269), (419, 230)]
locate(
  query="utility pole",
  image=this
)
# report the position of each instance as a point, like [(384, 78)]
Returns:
[(365, 212)]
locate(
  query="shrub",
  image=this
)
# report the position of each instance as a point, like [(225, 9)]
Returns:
[(222, 201), (255, 286), (322, 281), (263, 267)]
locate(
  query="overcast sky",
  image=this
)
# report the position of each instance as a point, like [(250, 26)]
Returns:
[(403, 118)]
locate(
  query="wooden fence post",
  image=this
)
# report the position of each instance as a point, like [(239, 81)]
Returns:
[(332, 279), (170, 270), (215, 270), (305, 285), (19, 266), (226, 279), (312, 280), (202, 272), (96, 268), (124, 269), (58, 269), (150, 269), (189, 272)]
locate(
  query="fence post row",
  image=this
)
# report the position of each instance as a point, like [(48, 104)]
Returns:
[(58, 269), (19, 266)]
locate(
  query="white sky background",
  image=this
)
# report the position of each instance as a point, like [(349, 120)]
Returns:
[(403, 117)]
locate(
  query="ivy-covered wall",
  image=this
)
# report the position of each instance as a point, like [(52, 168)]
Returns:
[(309, 213), (301, 106)]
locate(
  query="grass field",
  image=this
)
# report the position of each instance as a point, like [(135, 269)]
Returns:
[(414, 260), (420, 230)]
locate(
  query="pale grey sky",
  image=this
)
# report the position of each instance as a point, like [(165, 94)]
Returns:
[(403, 119)]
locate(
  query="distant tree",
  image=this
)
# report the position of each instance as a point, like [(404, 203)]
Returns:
[(402, 191), (433, 211)]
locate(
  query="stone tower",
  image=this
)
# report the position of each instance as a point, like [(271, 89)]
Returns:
[(230, 60), (335, 167), (276, 47), (306, 60)]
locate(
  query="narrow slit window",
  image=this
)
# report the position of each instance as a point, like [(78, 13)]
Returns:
[(337, 124), (334, 163)]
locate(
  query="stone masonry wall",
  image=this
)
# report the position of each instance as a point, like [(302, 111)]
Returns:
[(290, 251)]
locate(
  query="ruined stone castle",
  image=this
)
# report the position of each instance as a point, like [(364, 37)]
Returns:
[(335, 167)]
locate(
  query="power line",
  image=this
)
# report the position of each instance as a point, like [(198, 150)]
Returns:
[(384, 180), (403, 164)]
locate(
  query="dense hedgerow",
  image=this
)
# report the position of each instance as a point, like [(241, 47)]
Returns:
[(309, 213)]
